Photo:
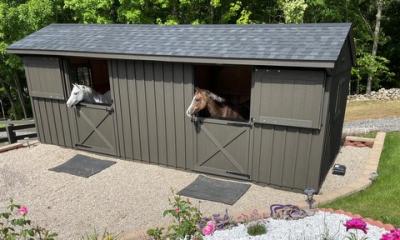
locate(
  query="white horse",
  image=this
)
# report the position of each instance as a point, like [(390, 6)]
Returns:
[(81, 93)]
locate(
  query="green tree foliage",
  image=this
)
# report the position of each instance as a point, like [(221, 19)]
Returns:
[(90, 11), (293, 10), (370, 65), (19, 18)]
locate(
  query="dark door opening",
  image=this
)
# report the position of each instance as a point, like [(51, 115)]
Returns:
[(232, 83)]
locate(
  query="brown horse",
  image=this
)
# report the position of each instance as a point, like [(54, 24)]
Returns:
[(216, 105)]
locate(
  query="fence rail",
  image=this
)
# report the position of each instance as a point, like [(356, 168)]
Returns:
[(11, 134)]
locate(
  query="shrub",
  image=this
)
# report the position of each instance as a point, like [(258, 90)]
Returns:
[(15, 225), (257, 228), (186, 218), (155, 233)]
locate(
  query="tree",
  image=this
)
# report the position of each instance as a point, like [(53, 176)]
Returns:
[(379, 5), (18, 19), (370, 65), (293, 10)]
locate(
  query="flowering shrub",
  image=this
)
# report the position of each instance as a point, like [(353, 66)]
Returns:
[(356, 224), (186, 218), (14, 225), (392, 235)]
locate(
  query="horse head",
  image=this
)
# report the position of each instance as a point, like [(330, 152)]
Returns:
[(78, 94), (201, 99)]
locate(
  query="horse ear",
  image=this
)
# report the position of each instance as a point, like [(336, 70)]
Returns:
[(196, 89)]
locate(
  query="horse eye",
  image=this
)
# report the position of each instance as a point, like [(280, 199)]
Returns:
[(197, 100), (75, 93)]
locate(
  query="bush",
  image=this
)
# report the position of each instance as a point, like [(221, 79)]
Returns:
[(15, 225), (257, 228), (186, 217)]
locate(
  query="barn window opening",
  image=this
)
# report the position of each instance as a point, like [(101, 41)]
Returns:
[(92, 73), (229, 88)]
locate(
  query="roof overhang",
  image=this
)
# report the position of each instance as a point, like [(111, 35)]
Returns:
[(184, 59)]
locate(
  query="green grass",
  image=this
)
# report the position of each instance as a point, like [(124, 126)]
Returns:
[(381, 201), (369, 134)]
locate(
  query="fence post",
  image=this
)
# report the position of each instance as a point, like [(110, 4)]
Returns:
[(12, 137)]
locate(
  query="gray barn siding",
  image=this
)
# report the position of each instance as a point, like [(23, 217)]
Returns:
[(284, 152), (52, 117), (150, 100), (340, 77), (52, 120)]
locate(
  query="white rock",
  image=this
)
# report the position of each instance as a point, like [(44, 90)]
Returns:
[(314, 227)]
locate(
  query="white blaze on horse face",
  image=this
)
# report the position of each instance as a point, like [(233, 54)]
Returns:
[(77, 95), (190, 110)]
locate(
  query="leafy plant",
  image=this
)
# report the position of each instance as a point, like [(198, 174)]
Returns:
[(221, 222), (155, 233), (15, 225), (185, 224), (96, 236), (256, 228)]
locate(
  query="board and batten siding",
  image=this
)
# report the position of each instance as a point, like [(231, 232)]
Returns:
[(46, 85), (150, 99), (53, 121), (288, 107)]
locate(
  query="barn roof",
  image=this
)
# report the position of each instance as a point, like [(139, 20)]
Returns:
[(312, 45)]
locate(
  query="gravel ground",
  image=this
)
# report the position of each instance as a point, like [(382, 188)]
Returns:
[(128, 196), (309, 228), (354, 159), (369, 125)]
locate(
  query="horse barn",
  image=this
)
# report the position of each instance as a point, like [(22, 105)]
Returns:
[(290, 83)]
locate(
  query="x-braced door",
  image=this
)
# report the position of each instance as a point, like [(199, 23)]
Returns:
[(222, 147), (95, 128)]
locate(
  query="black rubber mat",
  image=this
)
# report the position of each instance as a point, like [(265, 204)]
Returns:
[(83, 166), (206, 188)]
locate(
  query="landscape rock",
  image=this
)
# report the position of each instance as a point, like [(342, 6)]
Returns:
[(382, 94)]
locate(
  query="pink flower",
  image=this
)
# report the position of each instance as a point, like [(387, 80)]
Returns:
[(392, 235), (23, 210), (209, 229), (356, 223), (177, 210)]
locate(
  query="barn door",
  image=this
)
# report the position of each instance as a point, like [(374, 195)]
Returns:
[(95, 128), (222, 147)]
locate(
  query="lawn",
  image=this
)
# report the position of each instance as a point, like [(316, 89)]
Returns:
[(371, 109), (381, 200)]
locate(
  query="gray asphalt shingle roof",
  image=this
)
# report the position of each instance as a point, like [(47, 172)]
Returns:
[(316, 42)]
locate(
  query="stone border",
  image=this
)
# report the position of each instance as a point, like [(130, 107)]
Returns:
[(368, 175), (9, 147), (17, 145), (358, 141), (370, 221)]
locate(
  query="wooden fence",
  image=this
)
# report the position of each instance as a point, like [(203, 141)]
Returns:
[(11, 134)]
